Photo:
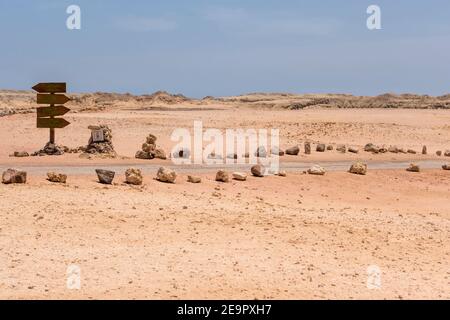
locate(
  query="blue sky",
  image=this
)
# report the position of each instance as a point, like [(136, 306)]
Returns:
[(213, 47)]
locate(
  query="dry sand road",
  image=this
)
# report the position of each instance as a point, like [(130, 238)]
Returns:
[(294, 237)]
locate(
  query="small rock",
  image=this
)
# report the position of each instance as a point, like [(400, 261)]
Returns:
[(393, 149), (240, 176), (320, 147), (183, 153), (353, 150), (413, 168), (282, 173), (56, 177), (370, 147), (194, 179), (261, 152), (212, 155), (105, 176), (293, 151), (144, 155), (21, 154), (307, 148), (330, 147), (439, 153), (341, 148), (148, 147), (14, 176), (446, 167), (232, 156), (411, 151), (424, 150), (133, 176), (222, 176), (258, 170), (316, 170), (276, 151), (358, 168), (166, 175), (447, 153)]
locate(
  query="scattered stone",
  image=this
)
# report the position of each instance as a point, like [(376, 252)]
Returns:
[(56, 177), (261, 152), (316, 170), (293, 151), (411, 151), (446, 167), (222, 176), (133, 176), (341, 148), (166, 175), (358, 168), (320, 147), (307, 148), (276, 151), (413, 168), (439, 153), (183, 153), (50, 149), (105, 176), (330, 147), (194, 179), (282, 173), (258, 170), (14, 176), (21, 154), (353, 150), (240, 176), (424, 150), (393, 149)]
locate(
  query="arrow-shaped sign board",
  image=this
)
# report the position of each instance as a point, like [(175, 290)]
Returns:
[(52, 98), (51, 87), (52, 111), (52, 123)]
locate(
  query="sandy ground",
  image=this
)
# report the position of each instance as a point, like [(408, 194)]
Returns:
[(299, 237)]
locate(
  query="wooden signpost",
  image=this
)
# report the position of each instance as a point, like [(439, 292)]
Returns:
[(51, 93)]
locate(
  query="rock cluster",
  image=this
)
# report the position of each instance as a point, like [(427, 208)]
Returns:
[(51, 149), (150, 150), (14, 176), (104, 147)]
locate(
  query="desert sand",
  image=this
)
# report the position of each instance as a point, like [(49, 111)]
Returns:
[(294, 237)]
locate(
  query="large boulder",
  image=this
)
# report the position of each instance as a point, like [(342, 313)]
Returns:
[(293, 151), (14, 176), (56, 177), (105, 176), (258, 170), (166, 175), (316, 170), (358, 168), (133, 176), (222, 176)]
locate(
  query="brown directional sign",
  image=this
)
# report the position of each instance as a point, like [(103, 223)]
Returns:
[(50, 87), (52, 98), (52, 111), (52, 123)]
